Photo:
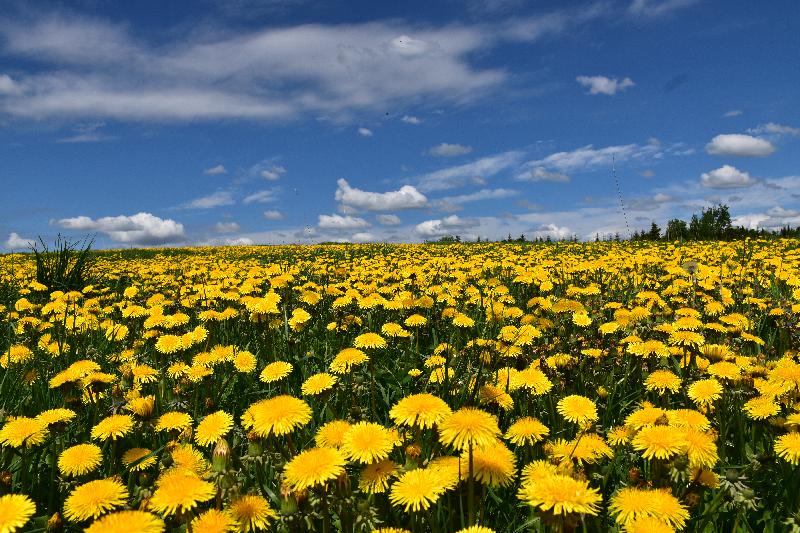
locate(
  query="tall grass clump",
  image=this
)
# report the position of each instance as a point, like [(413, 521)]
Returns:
[(67, 266)]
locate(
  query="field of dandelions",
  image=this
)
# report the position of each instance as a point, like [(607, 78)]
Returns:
[(405, 388)]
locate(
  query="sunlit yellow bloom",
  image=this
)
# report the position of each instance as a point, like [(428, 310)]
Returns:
[(94, 498), (313, 467), (130, 521), (79, 459)]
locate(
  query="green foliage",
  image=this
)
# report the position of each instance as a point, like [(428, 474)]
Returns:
[(67, 266)]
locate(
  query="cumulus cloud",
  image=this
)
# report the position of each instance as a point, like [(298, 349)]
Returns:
[(15, 242), (411, 119), (388, 220), (273, 214), (551, 230), (261, 197), (736, 144), (407, 197), (540, 174), (141, 228), (217, 199), (215, 170), (604, 85), (339, 222), (226, 227), (365, 132), (449, 150), (775, 129), (726, 177), (273, 173), (444, 226), (474, 172)]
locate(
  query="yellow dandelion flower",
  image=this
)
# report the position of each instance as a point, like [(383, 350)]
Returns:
[(662, 381), (659, 442), (375, 477), (213, 521), (423, 410), (79, 459), (494, 465), (135, 460), (705, 392), (15, 511), (417, 489), (347, 359), (94, 498), (367, 442), (332, 434), (127, 521), (313, 467), (56, 416), (180, 492), (577, 409), (173, 421), (468, 427), (787, 447), (112, 427), (370, 340), (275, 371), (23, 431), (318, 383), (526, 430), (212, 428), (252, 512), (277, 416), (560, 495)]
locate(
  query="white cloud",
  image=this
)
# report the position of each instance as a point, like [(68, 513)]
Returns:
[(449, 150), (388, 220), (338, 222), (604, 85), (736, 144), (777, 129), (273, 214), (589, 158), (540, 174), (407, 197), (226, 227), (261, 197), (213, 72), (217, 199), (365, 132), (215, 171), (732, 113), (726, 177), (15, 242), (657, 8), (445, 226), (87, 132), (551, 230), (7, 85), (363, 237), (478, 196), (141, 228), (273, 173), (411, 119), (474, 172)]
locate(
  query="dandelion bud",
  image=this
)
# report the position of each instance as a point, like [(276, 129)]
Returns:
[(54, 523), (222, 451)]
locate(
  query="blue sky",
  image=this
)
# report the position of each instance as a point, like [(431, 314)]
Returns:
[(144, 123)]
